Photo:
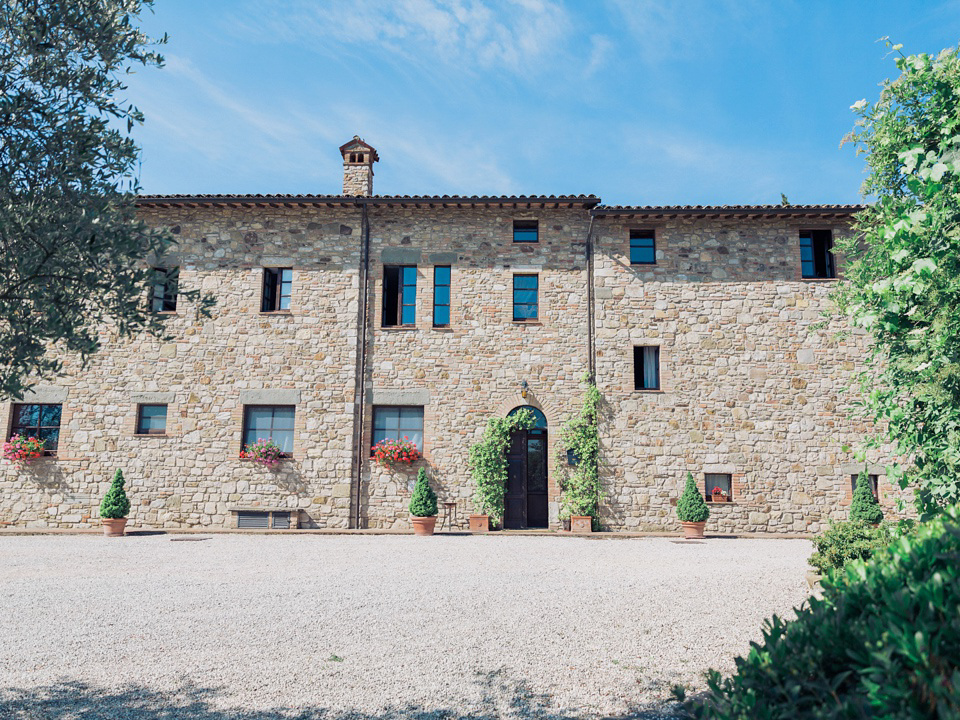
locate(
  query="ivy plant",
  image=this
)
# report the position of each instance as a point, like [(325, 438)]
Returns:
[(488, 461), (903, 273), (580, 488)]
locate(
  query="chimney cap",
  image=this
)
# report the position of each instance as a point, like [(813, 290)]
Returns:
[(358, 144)]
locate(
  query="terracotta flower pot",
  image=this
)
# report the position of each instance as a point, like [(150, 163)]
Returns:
[(693, 530), (719, 498), (479, 523), (114, 527), (581, 524), (423, 525)]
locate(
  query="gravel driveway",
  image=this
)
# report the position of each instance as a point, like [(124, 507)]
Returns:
[(246, 627)]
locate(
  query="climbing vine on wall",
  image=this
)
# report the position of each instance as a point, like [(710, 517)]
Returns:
[(580, 490), (488, 461)]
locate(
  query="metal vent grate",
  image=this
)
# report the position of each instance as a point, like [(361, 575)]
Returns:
[(254, 520), (281, 521)]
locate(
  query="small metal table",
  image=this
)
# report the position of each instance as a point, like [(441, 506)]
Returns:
[(449, 516)]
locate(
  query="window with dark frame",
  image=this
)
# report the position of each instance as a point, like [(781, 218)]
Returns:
[(151, 420), (39, 420), (724, 481), (816, 256), (277, 289), (395, 422), (165, 282), (874, 484), (441, 296), (643, 247), (526, 231), (269, 422), (399, 295), (646, 367), (526, 297)]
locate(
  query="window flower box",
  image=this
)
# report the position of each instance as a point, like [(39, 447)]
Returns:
[(390, 453), (719, 495), (264, 452), (23, 449)]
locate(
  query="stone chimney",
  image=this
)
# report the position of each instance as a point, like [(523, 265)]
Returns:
[(358, 160)]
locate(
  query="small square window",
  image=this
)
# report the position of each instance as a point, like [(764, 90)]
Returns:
[(874, 484), (646, 367), (526, 231), (269, 422), (392, 422), (277, 289), (151, 420), (721, 482), (165, 288), (643, 248), (816, 256), (41, 421), (399, 295), (526, 297)]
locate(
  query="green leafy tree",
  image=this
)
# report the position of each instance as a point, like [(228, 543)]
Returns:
[(115, 503), (580, 489), (488, 461), (903, 275), (864, 506), (691, 507), (75, 256), (423, 502)]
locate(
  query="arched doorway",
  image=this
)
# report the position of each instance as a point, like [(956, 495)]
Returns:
[(525, 499)]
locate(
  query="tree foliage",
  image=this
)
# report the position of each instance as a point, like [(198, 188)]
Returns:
[(75, 256), (580, 490), (691, 507), (882, 642), (903, 278), (423, 501), (488, 461), (115, 503)]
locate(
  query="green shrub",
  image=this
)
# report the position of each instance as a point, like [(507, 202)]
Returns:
[(115, 503), (849, 540), (691, 507), (488, 461), (864, 506), (883, 642), (423, 502)]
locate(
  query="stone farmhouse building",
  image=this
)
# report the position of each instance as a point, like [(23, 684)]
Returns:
[(345, 319)]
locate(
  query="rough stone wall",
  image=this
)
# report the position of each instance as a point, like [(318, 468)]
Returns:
[(747, 388), (473, 369), (210, 367)]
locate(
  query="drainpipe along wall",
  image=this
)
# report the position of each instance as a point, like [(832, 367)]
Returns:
[(360, 393), (591, 359)]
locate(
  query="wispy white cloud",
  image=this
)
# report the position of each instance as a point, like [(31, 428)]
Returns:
[(522, 37)]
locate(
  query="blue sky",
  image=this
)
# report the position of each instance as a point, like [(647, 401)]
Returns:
[(638, 101)]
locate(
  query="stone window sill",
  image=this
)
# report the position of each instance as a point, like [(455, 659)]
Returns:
[(819, 280), (276, 312), (532, 323), (152, 435), (648, 391), (398, 328)]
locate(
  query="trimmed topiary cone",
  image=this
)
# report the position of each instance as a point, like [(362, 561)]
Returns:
[(423, 505), (864, 507), (115, 507), (692, 510)]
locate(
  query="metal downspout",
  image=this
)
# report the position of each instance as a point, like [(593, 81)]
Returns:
[(591, 344), (360, 398)]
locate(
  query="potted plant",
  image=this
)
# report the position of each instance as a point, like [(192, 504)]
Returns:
[(718, 494), (578, 459), (23, 449), (264, 451), (692, 510), (423, 506), (864, 506), (389, 453), (115, 507), (488, 466)]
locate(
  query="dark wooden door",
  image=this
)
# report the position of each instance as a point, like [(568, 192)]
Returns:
[(525, 499)]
